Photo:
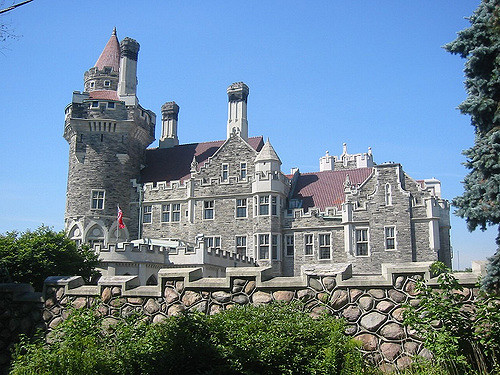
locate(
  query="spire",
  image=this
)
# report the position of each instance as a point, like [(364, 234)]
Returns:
[(267, 153), (110, 55)]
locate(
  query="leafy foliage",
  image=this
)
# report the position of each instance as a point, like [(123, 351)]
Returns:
[(31, 257), (462, 336), (275, 339), (480, 45)]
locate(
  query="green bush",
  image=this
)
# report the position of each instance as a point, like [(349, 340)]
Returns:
[(30, 257), (274, 339), (463, 337)]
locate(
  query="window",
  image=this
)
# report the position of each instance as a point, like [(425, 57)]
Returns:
[(274, 247), (243, 171), (241, 245), (390, 238), (95, 104), (107, 83), (274, 209), (97, 199), (212, 243), (263, 246), (208, 210), (147, 214), (289, 245), (308, 244), (92, 84), (361, 241), (241, 208), (388, 195), (264, 205), (111, 105), (324, 246), (171, 212), (225, 172)]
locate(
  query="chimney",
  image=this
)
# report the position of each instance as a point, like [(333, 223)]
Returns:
[(169, 117), (127, 84), (237, 123)]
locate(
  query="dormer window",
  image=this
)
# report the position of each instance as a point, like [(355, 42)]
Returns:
[(107, 83)]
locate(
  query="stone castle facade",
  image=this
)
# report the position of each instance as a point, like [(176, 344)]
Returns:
[(230, 197)]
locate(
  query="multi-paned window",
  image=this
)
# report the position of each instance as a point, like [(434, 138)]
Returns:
[(362, 241), (274, 246), (208, 210), (111, 105), (308, 244), (95, 104), (274, 204), (147, 212), (263, 246), (171, 212), (289, 245), (264, 205), (390, 238), (225, 172), (243, 171), (324, 246), (241, 207), (241, 245), (212, 242), (97, 202)]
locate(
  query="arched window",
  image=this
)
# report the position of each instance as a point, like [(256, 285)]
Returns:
[(388, 195)]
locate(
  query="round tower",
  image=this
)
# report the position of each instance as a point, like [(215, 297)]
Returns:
[(107, 141)]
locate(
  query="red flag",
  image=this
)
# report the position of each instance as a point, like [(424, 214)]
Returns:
[(121, 225)]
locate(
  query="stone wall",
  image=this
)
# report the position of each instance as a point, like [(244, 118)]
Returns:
[(371, 305)]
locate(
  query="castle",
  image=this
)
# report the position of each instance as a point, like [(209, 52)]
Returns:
[(227, 203)]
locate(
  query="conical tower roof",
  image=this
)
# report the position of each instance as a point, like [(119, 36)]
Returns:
[(267, 153), (110, 56)]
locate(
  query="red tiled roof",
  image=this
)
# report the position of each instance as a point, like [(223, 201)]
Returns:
[(170, 164), (103, 94), (326, 189), (110, 56)]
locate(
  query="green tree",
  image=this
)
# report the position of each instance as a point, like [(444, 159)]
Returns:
[(30, 257), (480, 203)]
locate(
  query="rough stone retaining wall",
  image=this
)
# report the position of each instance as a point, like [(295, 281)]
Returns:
[(371, 305)]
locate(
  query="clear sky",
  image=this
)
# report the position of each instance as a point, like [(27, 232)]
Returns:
[(369, 73)]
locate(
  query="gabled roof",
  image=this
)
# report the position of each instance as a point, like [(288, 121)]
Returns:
[(171, 164), (267, 153), (103, 94), (110, 56), (326, 189)]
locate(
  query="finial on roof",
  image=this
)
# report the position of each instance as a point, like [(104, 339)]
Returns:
[(114, 31), (344, 148)]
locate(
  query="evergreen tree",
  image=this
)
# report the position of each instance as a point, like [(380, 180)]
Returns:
[(480, 203)]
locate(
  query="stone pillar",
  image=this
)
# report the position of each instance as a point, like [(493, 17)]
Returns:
[(170, 115), (127, 84), (237, 110)]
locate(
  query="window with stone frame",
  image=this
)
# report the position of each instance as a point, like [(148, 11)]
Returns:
[(111, 105), (390, 238), (324, 246), (225, 172), (208, 210), (241, 207), (147, 212), (388, 195), (241, 245), (274, 246), (95, 104), (212, 242), (361, 241), (274, 205), (289, 245), (107, 83), (243, 171), (264, 205), (97, 199), (263, 246), (171, 212), (308, 244)]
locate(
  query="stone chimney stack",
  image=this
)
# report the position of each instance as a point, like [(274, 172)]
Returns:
[(127, 84), (169, 117), (237, 110)]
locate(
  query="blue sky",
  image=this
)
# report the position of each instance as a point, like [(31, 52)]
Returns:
[(369, 73)]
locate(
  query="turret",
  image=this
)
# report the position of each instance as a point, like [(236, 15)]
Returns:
[(169, 117), (268, 176), (237, 110), (107, 135), (127, 85)]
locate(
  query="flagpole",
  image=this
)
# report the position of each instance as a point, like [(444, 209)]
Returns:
[(117, 224)]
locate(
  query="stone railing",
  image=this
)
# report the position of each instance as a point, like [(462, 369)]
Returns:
[(371, 305)]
